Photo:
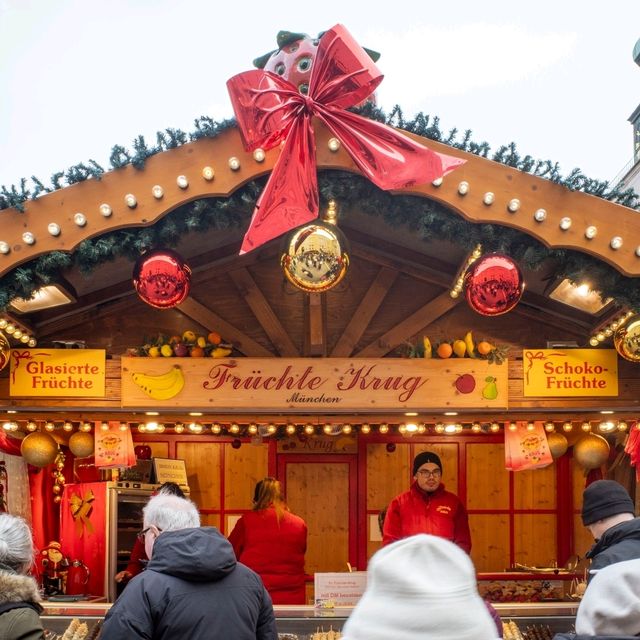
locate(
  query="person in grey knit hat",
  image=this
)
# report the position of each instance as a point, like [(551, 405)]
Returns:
[(427, 507), (608, 513)]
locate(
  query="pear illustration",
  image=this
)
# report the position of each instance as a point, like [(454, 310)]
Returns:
[(490, 390)]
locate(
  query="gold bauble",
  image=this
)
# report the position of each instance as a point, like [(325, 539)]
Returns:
[(626, 339), (5, 351), (39, 449), (81, 444), (558, 444), (591, 451), (316, 257)]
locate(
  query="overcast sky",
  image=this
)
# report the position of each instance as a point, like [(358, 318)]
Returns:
[(79, 76)]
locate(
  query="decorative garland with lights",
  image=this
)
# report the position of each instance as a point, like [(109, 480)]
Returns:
[(432, 221)]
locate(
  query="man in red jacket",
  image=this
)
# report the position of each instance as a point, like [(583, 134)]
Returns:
[(427, 507)]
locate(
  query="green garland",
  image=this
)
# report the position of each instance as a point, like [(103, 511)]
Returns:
[(424, 216)]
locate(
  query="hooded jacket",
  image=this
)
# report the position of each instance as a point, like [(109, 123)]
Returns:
[(439, 513), (22, 621), (617, 544), (193, 588)]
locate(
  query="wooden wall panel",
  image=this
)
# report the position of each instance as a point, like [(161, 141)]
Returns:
[(535, 489), (535, 539), (387, 474), (210, 520), (487, 479), (243, 468), (582, 538), (490, 542), (448, 454), (202, 460), (319, 493)]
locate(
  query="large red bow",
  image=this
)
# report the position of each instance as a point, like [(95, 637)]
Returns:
[(270, 110)]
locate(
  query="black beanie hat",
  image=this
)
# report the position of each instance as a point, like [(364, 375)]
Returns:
[(604, 498), (423, 457)]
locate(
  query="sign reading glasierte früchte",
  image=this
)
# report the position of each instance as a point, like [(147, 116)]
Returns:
[(313, 384)]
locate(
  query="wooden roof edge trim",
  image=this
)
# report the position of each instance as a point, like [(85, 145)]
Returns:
[(515, 198)]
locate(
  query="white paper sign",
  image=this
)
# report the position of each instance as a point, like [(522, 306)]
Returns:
[(339, 589)]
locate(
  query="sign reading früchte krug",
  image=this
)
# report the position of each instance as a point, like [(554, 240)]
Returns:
[(58, 372), (570, 372), (313, 385)]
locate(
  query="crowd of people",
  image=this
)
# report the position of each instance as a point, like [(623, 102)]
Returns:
[(190, 581)]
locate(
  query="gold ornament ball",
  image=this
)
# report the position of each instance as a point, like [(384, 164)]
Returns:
[(316, 257), (591, 451), (57, 499), (558, 444), (626, 339), (39, 449), (56, 489), (81, 444), (5, 351)]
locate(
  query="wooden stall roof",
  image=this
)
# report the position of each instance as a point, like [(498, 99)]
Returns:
[(397, 288)]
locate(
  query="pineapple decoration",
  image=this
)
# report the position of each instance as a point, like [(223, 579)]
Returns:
[(316, 255), (58, 478)]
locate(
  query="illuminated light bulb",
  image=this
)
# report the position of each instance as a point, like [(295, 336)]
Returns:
[(80, 219), (28, 237), (383, 428), (346, 428), (157, 192), (437, 182), (608, 332), (512, 426), (142, 428), (451, 428), (32, 342), (540, 215), (567, 426), (616, 243), (160, 428), (586, 426), (85, 427), (3, 323), (309, 429), (622, 425), (411, 427), (49, 426), (327, 429), (565, 223), (253, 429), (4, 247), (25, 339), (195, 427), (234, 428), (105, 210), (17, 334), (10, 328), (54, 229), (208, 173), (439, 428), (495, 427), (124, 426), (365, 428), (149, 426), (514, 205), (216, 428), (290, 429), (402, 428), (606, 426), (463, 188), (600, 336), (259, 155), (593, 341), (454, 293), (476, 428), (334, 144), (488, 198), (234, 163), (272, 429), (179, 428), (590, 232), (549, 426), (130, 201), (422, 428), (182, 182), (32, 426), (67, 426), (531, 426)]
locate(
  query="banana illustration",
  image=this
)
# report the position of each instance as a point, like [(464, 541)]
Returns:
[(161, 387), (471, 347), (428, 349)]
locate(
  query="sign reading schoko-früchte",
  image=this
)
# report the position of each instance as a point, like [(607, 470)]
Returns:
[(313, 384)]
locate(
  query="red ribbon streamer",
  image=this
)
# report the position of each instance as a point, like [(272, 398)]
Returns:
[(270, 110)]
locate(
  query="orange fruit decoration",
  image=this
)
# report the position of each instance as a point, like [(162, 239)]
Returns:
[(197, 352), (214, 337), (444, 350), (484, 348)]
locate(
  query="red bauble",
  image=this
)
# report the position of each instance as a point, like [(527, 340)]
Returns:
[(142, 451), (391, 447), (493, 284), (162, 278), (236, 443)]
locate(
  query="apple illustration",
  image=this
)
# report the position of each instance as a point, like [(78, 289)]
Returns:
[(465, 383)]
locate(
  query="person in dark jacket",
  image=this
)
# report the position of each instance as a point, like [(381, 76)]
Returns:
[(19, 595), (610, 609), (427, 507), (607, 511), (193, 586)]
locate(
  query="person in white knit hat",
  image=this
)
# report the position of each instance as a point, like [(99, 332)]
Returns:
[(610, 608), (420, 588)]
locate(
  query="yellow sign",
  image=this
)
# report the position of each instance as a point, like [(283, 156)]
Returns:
[(57, 372), (314, 385), (570, 372)]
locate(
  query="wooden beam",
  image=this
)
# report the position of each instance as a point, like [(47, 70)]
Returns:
[(415, 322), (265, 315), (316, 325), (367, 308), (207, 318)]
